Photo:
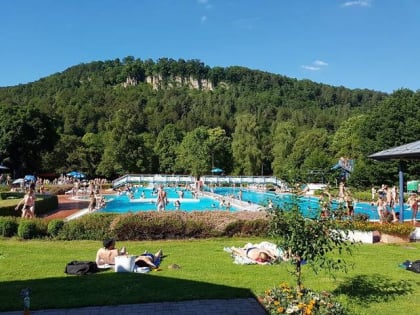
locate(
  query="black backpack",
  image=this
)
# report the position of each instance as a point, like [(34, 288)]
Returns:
[(81, 268), (414, 266)]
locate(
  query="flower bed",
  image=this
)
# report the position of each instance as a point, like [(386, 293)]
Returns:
[(285, 299)]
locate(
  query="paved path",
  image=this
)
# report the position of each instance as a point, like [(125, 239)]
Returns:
[(198, 307)]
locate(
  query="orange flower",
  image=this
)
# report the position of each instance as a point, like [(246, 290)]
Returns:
[(280, 309)]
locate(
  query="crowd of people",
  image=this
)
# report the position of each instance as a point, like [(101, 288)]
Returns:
[(385, 200)]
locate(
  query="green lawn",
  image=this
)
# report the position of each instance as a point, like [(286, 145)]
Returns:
[(376, 285)]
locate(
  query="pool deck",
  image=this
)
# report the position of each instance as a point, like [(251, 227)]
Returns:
[(67, 206)]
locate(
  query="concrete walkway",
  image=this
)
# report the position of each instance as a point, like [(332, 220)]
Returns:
[(197, 307)]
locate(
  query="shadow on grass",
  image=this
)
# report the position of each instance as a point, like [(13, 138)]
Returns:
[(109, 288), (364, 289)]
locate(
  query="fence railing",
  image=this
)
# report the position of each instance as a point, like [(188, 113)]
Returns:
[(154, 179), (205, 180)]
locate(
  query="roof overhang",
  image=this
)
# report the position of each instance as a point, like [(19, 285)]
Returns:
[(409, 151)]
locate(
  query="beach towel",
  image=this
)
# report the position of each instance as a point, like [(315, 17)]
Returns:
[(241, 260)]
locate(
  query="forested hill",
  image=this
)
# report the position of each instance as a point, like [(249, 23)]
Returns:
[(108, 118)]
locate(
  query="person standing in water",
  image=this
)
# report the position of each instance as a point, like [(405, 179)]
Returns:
[(161, 199)]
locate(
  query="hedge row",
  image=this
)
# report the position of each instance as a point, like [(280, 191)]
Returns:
[(138, 226)]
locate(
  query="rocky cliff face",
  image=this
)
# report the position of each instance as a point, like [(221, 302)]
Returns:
[(158, 82)]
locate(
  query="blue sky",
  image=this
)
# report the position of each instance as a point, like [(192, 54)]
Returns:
[(373, 44)]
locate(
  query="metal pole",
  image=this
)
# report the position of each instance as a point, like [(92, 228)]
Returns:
[(401, 177)]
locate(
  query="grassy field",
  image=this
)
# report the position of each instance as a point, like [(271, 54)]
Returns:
[(376, 284)]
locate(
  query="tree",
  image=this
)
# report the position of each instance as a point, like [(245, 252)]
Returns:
[(317, 242), (26, 134), (284, 137), (219, 145), (347, 140), (303, 148), (166, 147), (245, 146), (194, 154)]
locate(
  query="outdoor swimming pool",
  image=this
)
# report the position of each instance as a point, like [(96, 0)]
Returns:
[(123, 203), (308, 204)]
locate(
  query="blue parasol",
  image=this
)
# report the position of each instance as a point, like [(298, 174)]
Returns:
[(30, 178), (76, 174), (217, 170)]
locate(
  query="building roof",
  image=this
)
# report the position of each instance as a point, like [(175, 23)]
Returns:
[(409, 151)]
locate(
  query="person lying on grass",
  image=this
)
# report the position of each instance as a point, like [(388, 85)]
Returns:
[(260, 256), (106, 255)]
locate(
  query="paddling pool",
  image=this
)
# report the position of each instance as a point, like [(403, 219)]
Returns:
[(123, 203)]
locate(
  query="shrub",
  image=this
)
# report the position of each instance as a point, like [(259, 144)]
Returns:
[(151, 225), (397, 229), (72, 230), (234, 228), (258, 227), (193, 228), (58, 189), (27, 229), (91, 227), (8, 226), (54, 227)]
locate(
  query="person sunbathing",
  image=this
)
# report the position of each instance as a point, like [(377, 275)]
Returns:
[(149, 260), (106, 256), (260, 256)]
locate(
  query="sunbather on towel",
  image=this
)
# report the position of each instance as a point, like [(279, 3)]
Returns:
[(106, 256), (260, 256), (149, 260)]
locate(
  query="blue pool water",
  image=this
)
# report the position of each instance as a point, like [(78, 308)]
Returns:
[(309, 205), (123, 203)]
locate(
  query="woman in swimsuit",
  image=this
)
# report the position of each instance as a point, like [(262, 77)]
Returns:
[(28, 209), (413, 203), (381, 206)]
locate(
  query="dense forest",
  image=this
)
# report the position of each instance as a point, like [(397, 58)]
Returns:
[(109, 118)]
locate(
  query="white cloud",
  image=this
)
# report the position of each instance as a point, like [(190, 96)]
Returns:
[(312, 68), (358, 3), (203, 19), (315, 66), (320, 63)]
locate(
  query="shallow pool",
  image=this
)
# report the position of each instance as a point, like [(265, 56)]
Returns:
[(144, 199)]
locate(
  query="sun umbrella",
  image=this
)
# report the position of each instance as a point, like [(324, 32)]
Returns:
[(217, 170), (30, 178), (76, 174), (18, 181)]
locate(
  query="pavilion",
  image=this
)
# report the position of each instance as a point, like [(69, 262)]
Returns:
[(409, 151)]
